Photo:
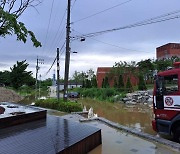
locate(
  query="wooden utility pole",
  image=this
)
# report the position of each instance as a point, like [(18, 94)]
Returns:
[(39, 61), (37, 68), (39, 85), (67, 60), (58, 69)]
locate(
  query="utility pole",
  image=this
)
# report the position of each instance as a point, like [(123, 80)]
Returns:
[(58, 69), (39, 61), (39, 85), (67, 60), (37, 69)]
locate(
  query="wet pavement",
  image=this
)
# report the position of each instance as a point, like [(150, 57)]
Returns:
[(115, 141), (47, 136)]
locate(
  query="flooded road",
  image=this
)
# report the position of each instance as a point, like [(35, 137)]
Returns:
[(135, 116), (115, 141)]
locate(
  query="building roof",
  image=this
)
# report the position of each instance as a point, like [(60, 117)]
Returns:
[(103, 69), (168, 44)]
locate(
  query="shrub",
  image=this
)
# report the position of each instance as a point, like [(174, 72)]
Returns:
[(61, 106)]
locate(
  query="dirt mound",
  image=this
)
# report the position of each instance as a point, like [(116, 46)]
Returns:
[(7, 95)]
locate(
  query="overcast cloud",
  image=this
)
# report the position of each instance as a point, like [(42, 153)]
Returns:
[(104, 50)]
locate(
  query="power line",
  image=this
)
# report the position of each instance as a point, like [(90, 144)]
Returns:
[(51, 66), (101, 11), (55, 60), (73, 5), (56, 35), (138, 24), (48, 25), (112, 44)]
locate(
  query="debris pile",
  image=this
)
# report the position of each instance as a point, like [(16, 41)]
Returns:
[(143, 97), (7, 95)]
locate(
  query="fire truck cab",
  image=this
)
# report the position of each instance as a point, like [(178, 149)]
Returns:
[(166, 102)]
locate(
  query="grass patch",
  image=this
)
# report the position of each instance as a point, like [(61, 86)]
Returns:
[(102, 94), (61, 106)]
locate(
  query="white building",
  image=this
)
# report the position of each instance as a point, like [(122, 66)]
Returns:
[(53, 89)]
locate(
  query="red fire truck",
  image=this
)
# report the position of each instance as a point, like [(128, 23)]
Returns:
[(166, 102)]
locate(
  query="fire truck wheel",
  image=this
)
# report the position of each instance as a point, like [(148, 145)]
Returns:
[(177, 134)]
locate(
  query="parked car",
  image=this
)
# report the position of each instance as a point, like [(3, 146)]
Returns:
[(73, 95)]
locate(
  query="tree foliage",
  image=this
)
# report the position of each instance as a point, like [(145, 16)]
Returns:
[(106, 82), (87, 79), (129, 85), (94, 82), (19, 76), (10, 11), (115, 83), (120, 81), (141, 84), (5, 78)]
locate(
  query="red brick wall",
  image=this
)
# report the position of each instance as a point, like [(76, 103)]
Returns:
[(168, 50), (103, 71)]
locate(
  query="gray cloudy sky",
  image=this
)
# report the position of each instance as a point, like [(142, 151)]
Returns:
[(99, 51)]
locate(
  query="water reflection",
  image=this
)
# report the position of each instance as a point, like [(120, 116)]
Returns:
[(116, 142), (138, 116)]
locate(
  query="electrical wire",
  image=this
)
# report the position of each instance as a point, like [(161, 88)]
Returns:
[(55, 59), (51, 66), (73, 5), (48, 26), (54, 40), (138, 24), (113, 44), (101, 11)]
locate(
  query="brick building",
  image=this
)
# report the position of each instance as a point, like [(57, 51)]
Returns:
[(168, 50), (102, 72)]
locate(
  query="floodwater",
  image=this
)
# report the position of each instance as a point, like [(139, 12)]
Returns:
[(135, 116), (119, 142), (115, 141)]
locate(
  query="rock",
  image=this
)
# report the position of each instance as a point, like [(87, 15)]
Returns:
[(138, 97), (126, 99), (131, 103), (150, 100)]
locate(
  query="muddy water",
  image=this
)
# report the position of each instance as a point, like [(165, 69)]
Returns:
[(137, 116), (119, 142)]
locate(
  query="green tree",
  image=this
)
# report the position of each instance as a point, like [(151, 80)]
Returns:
[(76, 77), (5, 78), (106, 82), (45, 83), (120, 81), (129, 85), (90, 74), (19, 76), (163, 64), (146, 67), (103, 83), (94, 82), (88, 83), (115, 83), (141, 84), (10, 11)]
